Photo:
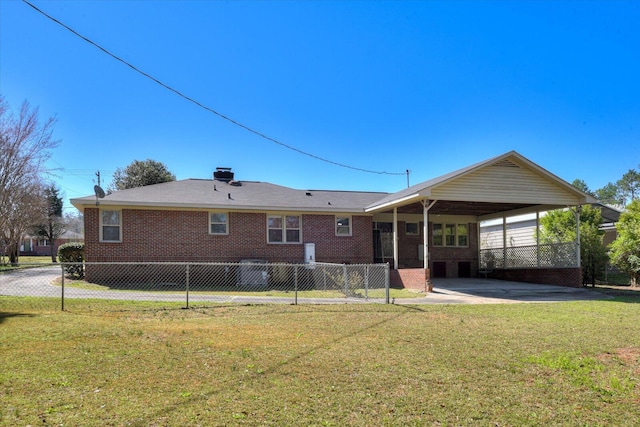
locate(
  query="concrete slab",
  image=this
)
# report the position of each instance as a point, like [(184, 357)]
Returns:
[(489, 291)]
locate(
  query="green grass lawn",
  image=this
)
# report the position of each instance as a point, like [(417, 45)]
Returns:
[(105, 363), (26, 260)]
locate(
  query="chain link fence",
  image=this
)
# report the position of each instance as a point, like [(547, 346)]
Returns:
[(247, 282)]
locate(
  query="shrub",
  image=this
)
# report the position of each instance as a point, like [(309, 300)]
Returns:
[(72, 253)]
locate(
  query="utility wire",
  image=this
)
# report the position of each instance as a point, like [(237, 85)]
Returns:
[(209, 109)]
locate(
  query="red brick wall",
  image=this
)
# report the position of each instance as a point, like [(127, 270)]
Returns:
[(453, 255), (167, 236), (410, 278), (408, 247)]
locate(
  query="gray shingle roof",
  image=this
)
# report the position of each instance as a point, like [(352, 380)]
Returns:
[(248, 195)]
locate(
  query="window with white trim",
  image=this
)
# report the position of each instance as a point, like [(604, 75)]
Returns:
[(343, 226), (462, 232), (43, 242), (218, 223), (412, 229), (284, 229), (110, 226), (450, 234)]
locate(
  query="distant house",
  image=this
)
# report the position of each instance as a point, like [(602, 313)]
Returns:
[(520, 230), (427, 230), (40, 246)]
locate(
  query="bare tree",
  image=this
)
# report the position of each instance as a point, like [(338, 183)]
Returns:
[(25, 145)]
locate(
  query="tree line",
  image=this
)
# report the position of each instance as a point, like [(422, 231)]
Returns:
[(616, 194)]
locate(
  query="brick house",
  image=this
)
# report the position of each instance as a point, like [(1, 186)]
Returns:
[(427, 230), (40, 246)]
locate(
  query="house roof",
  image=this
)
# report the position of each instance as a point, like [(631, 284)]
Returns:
[(508, 182), (242, 195), (609, 213)]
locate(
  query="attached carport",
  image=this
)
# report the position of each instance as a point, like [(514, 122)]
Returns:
[(449, 210)]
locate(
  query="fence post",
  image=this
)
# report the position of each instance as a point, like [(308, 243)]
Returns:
[(386, 282), (62, 284), (295, 284), (324, 276), (366, 282), (187, 284), (346, 280)]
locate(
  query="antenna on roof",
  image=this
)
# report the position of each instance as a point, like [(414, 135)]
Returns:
[(98, 190), (408, 172)]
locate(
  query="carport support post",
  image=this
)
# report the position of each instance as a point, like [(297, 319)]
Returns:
[(504, 242), (425, 243), (538, 238), (577, 215), (395, 238)]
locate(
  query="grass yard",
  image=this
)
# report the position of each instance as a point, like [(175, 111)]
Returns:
[(137, 364), (26, 260)]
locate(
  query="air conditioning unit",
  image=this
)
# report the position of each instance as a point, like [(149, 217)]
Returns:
[(253, 273)]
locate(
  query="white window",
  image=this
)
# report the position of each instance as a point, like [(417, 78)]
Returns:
[(450, 235), (343, 226), (110, 226), (411, 229), (284, 229), (218, 223), (43, 242), (437, 235), (463, 235)]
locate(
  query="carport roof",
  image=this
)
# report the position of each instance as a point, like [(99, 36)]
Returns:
[(508, 182)]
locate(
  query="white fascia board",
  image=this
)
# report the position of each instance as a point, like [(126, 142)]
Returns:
[(522, 211), (396, 202)]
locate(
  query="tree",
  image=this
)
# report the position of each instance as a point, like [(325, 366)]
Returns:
[(625, 250), (609, 195), (141, 173), (559, 226), (629, 186), (75, 222), (52, 225), (25, 145), (582, 186)]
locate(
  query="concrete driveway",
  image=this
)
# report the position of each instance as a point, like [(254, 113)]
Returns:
[(488, 291)]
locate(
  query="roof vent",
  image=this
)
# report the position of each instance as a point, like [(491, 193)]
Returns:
[(308, 193), (235, 183), (506, 164), (223, 174)]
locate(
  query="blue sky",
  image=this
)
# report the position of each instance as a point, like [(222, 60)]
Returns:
[(428, 86)]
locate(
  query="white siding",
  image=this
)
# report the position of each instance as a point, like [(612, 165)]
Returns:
[(505, 182)]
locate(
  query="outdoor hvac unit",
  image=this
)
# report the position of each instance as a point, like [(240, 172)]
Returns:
[(253, 273)]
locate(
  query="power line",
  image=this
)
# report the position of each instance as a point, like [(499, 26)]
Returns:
[(204, 107)]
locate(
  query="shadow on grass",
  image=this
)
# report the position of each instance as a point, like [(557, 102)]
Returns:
[(619, 293), (282, 364), (4, 315)]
